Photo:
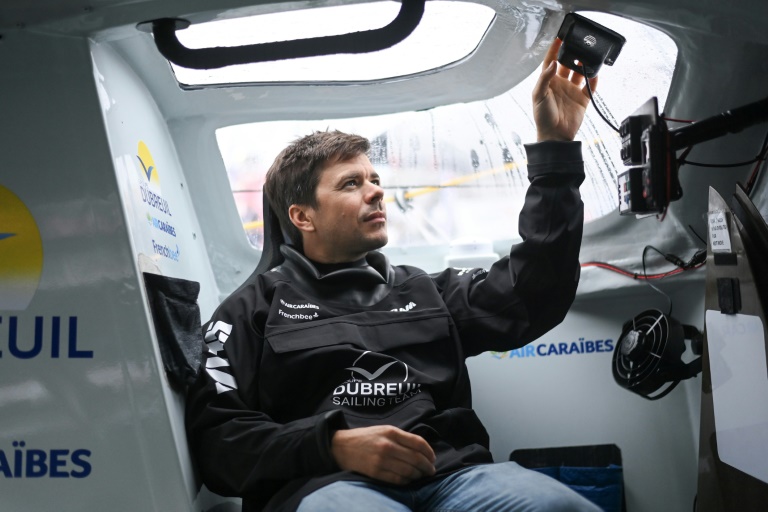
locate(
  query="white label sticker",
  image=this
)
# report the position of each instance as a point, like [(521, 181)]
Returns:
[(719, 238), (739, 386)]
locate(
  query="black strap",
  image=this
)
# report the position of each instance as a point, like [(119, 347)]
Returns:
[(273, 239), (164, 32)]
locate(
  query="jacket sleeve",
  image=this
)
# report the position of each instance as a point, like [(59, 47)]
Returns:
[(238, 449), (528, 292)]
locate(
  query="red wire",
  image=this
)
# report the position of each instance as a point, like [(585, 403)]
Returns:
[(677, 120), (635, 275)]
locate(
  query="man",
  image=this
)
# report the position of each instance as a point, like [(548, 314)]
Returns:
[(334, 381)]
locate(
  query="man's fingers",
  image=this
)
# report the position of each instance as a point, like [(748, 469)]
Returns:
[(383, 452), (396, 477), (408, 464), (411, 450), (577, 78), (412, 462), (551, 55), (592, 85), (416, 443), (540, 89)]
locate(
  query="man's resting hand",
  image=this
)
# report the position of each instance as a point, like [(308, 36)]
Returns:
[(383, 452)]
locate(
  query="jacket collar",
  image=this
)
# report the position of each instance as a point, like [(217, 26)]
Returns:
[(363, 285)]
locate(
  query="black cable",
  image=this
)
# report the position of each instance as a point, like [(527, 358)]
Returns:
[(698, 259), (681, 158), (760, 156), (735, 164), (589, 90), (697, 235), (649, 283), (754, 179), (700, 256), (756, 172), (669, 257)]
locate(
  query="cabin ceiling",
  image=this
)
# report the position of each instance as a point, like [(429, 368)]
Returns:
[(708, 33), (744, 19)]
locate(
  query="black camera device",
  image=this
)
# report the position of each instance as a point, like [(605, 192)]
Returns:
[(587, 44)]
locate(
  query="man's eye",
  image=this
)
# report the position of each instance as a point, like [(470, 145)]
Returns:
[(350, 183), (376, 182)]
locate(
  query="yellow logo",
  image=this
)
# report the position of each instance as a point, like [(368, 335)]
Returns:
[(21, 253), (147, 164), (150, 189)]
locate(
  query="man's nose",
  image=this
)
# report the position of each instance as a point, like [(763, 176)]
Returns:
[(374, 192)]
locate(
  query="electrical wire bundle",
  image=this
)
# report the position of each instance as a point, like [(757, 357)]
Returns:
[(696, 261)]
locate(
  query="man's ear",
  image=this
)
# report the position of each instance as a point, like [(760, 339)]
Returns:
[(301, 217)]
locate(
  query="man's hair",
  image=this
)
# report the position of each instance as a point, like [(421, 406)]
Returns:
[(295, 173)]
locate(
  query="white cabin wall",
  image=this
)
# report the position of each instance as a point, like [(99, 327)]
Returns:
[(572, 399), (133, 118), (231, 256), (98, 409)]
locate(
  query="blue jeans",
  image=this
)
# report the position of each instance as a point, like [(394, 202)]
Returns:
[(502, 487)]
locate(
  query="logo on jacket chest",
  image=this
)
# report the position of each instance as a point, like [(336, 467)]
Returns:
[(407, 307), (298, 310), (376, 380)]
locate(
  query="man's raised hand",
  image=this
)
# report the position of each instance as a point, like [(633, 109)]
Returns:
[(559, 99)]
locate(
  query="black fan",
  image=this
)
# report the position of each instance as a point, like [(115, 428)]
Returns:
[(648, 356)]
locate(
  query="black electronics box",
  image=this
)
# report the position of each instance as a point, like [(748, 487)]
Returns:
[(588, 43)]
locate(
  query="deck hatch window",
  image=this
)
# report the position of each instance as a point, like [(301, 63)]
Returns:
[(448, 32)]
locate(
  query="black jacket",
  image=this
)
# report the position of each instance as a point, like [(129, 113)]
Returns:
[(294, 355)]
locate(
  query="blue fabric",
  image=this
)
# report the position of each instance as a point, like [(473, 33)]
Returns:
[(553, 471), (602, 486), (502, 487)]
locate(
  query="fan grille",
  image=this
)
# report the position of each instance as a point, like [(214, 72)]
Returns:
[(641, 348)]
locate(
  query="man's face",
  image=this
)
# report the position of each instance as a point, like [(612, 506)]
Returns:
[(350, 218)]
